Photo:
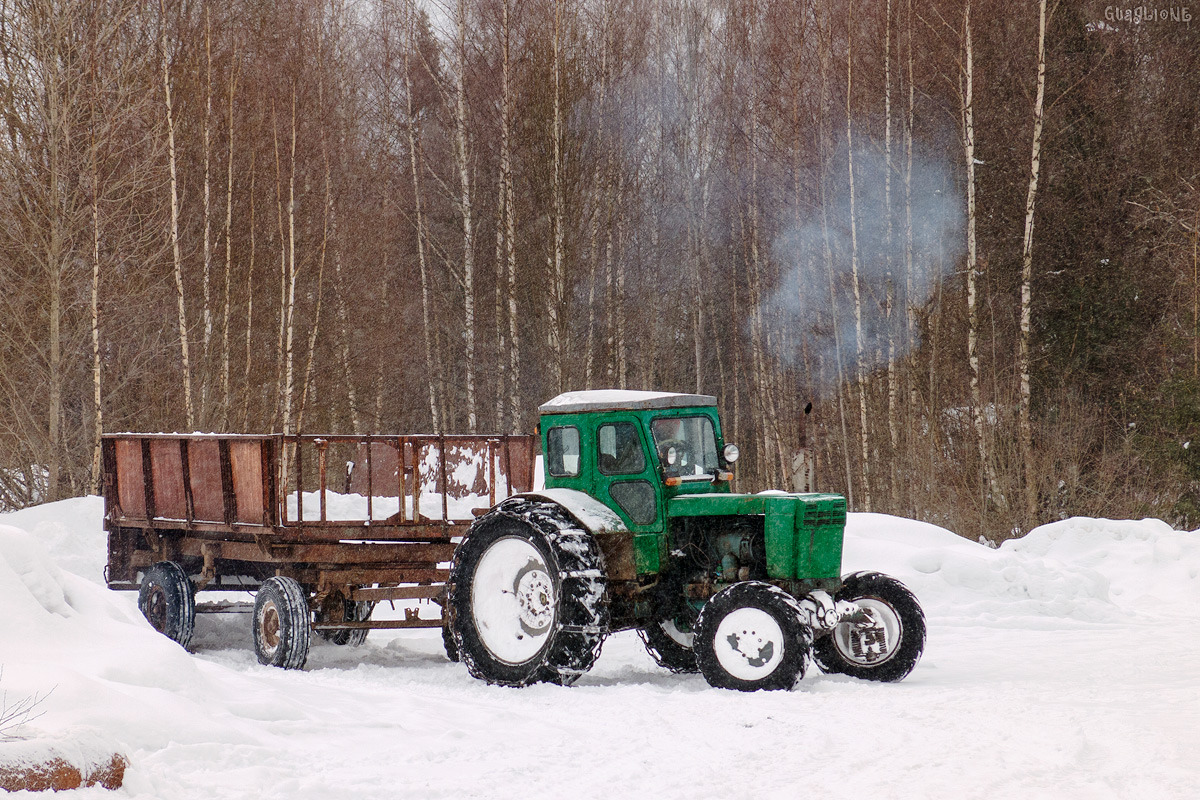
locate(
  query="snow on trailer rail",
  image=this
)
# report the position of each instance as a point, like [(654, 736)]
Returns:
[(322, 524)]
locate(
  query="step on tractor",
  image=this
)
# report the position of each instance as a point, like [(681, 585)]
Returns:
[(636, 527)]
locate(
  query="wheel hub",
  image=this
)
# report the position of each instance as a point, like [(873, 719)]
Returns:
[(513, 600), (269, 626), (873, 641), (534, 598), (749, 644), (156, 609)]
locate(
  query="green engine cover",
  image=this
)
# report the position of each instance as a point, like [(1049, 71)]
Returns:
[(803, 531)]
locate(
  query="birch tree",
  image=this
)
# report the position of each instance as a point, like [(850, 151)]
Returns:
[(1025, 423)]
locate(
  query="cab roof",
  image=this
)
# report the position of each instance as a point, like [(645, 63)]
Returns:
[(622, 400)]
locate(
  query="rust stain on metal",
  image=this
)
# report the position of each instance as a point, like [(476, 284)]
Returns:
[(166, 464), (204, 474)]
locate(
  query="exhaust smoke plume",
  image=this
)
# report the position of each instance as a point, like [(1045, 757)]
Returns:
[(804, 302)]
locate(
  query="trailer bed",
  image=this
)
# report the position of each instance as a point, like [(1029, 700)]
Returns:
[(352, 519)]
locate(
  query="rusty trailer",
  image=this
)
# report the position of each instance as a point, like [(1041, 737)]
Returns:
[(320, 527)]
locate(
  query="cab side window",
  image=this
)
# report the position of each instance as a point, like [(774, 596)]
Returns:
[(619, 449), (562, 451)]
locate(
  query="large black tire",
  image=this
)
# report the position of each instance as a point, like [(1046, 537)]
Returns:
[(282, 623), (355, 611), (527, 596), (671, 643), (450, 646), (168, 602), (846, 649), (750, 637)]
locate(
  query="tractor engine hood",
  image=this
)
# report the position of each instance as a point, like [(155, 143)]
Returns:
[(803, 532)]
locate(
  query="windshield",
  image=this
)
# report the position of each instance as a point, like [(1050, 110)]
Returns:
[(694, 444)]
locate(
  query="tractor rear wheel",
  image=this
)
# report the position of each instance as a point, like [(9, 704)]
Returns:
[(751, 636), (887, 652), (282, 626), (527, 596), (671, 643), (167, 601)]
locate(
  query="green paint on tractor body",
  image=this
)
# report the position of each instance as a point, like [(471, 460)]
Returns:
[(657, 461)]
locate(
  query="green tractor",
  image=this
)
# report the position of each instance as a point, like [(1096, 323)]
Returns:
[(638, 528)]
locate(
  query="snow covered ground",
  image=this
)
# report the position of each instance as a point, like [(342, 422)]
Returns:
[(1062, 665)]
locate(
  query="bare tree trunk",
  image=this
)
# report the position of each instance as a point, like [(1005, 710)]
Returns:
[(968, 122), (910, 306), (249, 304), (510, 232), (464, 176), (206, 275), (226, 398), (98, 429), (622, 353), (825, 148), (1025, 423), (290, 323), (381, 368), (501, 329), (890, 301), (862, 364), (316, 321), (430, 368), (600, 205), (558, 290), (189, 411), (283, 282)]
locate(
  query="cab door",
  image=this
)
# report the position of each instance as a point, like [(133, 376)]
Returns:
[(626, 480)]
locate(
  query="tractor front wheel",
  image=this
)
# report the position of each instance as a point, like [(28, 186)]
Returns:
[(886, 651), (751, 636)]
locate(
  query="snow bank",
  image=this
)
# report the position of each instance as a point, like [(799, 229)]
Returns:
[(88, 653), (1148, 565), (1085, 569), (71, 530)]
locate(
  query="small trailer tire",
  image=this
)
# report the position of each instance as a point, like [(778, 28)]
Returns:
[(167, 601), (842, 650), (282, 625), (355, 611), (750, 637)]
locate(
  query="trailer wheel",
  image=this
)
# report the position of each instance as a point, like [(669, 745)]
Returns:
[(281, 623), (167, 601), (888, 653), (527, 596), (751, 636), (670, 643), (354, 611)]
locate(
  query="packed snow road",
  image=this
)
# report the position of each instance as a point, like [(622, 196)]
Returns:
[(1062, 665)]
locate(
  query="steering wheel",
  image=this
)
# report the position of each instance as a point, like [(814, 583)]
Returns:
[(682, 456)]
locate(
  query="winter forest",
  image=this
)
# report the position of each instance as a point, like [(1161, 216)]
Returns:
[(965, 231)]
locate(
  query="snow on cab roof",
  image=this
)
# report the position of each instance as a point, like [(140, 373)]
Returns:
[(621, 400)]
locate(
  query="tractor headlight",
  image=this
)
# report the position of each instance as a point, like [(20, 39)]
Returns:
[(672, 456), (731, 453)]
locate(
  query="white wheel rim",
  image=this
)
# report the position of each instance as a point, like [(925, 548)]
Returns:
[(513, 600), (862, 646), (749, 644), (682, 638)]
